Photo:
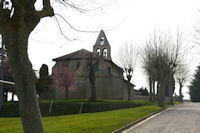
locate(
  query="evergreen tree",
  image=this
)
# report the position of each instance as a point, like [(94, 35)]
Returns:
[(194, 88), (44, 81)]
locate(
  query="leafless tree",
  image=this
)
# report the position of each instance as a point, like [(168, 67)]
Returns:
[(182, 76), (128, 56), (18, 18), (161, 56)]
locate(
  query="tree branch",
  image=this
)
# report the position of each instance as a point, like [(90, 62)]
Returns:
[(47, 10)]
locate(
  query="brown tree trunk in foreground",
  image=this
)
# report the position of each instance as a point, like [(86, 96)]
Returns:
[(15, 27), (25, 79)]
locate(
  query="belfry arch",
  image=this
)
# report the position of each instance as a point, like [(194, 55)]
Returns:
[(102, 46)]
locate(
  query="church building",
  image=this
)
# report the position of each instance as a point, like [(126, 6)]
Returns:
[(107, 76)]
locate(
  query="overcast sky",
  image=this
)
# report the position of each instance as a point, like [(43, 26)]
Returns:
[(122, 20)]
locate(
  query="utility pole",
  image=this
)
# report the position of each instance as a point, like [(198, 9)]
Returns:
[(2, 52)]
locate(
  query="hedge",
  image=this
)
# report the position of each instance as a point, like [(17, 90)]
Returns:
[(63, 107)]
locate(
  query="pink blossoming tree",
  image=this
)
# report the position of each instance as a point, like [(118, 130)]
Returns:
[(64, 78)]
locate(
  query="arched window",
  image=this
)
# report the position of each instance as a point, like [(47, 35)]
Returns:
[(102, 40), (98, 51), (105, 53)]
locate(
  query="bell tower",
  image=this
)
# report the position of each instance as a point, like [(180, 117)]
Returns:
[(102, 46)]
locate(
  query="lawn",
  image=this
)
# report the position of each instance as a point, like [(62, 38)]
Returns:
[(100, 122)]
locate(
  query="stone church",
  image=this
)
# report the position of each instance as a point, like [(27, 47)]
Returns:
[(109, 81)]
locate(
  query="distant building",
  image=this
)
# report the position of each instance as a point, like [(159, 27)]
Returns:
[(109, 81)]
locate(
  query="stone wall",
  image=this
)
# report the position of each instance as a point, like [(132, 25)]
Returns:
[(109, 81)]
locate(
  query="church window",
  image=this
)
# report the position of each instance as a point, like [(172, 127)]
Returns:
[(77, 65), (102, 40), (105, 52), (98, 51)]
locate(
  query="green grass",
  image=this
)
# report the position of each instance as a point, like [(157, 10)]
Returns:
[(101, 122)]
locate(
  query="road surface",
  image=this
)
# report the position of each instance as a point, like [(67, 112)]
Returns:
[(184, 118)]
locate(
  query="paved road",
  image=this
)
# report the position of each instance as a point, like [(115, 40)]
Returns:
[(184, 118)]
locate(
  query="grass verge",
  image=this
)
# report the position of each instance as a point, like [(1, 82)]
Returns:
[(101, 122)]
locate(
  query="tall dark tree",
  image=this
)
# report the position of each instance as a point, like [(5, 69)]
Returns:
[(93, 64), (194, 88), (44, 71), (45, 81)]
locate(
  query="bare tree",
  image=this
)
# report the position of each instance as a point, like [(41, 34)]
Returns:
[(128, 55), (18, 18), (182, 75), (162, 55)]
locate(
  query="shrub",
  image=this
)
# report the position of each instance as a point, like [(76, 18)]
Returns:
[(71, 107)]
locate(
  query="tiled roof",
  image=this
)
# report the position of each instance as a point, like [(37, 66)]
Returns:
[(76, 55), (82, 53)]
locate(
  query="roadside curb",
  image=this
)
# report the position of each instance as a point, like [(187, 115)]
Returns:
[(139, 120)]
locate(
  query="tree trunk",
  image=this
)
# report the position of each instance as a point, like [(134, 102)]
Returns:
[(129, 85), (66, 93), (13, 94), (92, 82), (158, 86), (171, 102), (171, 90), (25, 79), (129, 91), (154, 93), (180, 92), (150, 90), (161, 93)]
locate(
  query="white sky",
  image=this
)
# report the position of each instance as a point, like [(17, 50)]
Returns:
[(130, 20)]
